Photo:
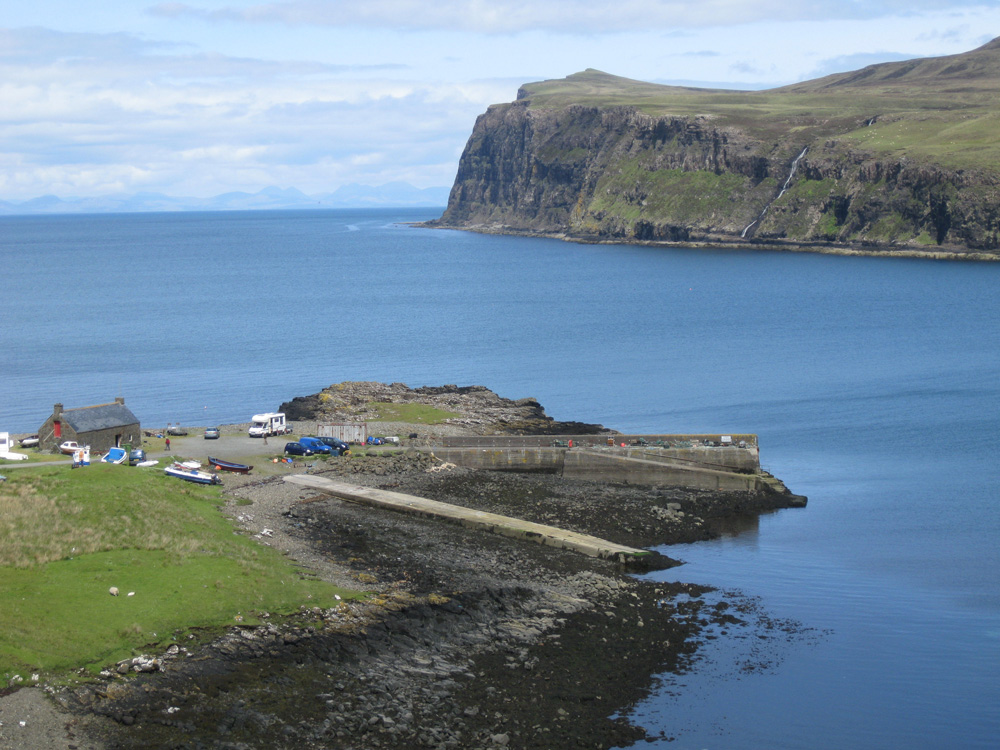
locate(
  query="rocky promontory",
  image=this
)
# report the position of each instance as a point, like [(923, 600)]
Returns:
[(474, 409)]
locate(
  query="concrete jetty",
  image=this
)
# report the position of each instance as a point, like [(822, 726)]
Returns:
[(470, 518)]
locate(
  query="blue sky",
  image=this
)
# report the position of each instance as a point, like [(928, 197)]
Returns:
[(202, 97)]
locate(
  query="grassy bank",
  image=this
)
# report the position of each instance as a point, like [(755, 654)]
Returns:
[(34, 456), (415, 414), (68, 536)]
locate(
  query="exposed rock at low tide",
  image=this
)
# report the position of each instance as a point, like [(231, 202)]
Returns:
[(471, 640)]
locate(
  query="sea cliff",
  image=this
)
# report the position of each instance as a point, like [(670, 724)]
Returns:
[(832, 164)]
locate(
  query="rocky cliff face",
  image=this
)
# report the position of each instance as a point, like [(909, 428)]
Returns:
[(616, 173)]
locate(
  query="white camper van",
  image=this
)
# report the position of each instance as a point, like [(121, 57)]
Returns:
[(265, 425), (5, 449)]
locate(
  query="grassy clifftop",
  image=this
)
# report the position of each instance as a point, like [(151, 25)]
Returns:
[(944, 110), (899, 156)]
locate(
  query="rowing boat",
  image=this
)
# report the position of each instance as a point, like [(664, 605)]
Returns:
[(221, 465), (191, 475)]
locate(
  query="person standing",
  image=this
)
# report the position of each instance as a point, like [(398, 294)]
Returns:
[(168, 445)]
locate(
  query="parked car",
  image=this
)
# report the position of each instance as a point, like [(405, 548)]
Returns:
[(316, 445), (338, 445), (211, 433), (70, 447), (297, 449), (136, 455), (176, 430)]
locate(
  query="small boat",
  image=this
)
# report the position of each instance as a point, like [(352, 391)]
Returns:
[(146, 464), (191, 475), (115, 456), (29, 442), (221, 465)]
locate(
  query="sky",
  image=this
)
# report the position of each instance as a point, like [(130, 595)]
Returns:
[(205, 97)]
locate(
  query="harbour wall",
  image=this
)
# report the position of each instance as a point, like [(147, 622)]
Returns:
[(697, 462)]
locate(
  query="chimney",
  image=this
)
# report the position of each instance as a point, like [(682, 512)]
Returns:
[(120, 400), (57, 411)]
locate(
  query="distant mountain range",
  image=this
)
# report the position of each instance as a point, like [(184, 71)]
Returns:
[(392, 194)]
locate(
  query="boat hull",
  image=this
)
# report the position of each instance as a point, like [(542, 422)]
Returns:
[(221, 465), (115, 456), (191, 475)]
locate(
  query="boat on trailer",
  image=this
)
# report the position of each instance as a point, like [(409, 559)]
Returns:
[(221, 465), (191, 475), (115, 456)]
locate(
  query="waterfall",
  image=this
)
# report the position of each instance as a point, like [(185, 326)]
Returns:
[(788, 181)]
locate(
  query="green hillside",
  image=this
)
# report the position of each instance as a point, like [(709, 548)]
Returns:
[(942, 109), (902, 157)]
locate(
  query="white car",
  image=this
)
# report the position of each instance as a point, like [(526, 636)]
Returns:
[(70, 447)]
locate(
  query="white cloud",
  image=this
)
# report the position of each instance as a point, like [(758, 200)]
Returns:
[(137, 118), (208, 96), (554, 16)]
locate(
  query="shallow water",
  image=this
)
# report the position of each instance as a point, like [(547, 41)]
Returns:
[(871, 382)]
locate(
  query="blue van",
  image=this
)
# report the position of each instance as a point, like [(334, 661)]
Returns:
[(316, 445)]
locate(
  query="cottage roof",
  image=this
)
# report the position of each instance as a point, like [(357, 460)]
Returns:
[(102, 417)]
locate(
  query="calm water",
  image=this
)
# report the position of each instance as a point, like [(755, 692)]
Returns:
[(872, 383)]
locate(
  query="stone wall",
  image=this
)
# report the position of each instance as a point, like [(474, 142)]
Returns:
[(609, 465)]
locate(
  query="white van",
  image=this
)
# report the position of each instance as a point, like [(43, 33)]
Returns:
[(265, 425)]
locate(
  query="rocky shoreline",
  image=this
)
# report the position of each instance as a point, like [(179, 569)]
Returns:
[(847, 249), (469, 640)]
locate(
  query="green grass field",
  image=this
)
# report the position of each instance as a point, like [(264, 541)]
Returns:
[(67, 536), (411, 413), (34, 457)]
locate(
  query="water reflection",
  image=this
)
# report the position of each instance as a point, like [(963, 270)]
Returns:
[(747, 526)]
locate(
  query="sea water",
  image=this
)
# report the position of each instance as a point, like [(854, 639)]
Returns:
[(872, 384)]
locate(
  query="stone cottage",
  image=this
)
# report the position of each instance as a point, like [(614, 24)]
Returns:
[(101, 427)]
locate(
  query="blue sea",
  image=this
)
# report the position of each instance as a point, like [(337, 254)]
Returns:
[(872, 383)]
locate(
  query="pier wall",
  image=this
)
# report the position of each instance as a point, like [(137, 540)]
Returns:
[(601, 467), (696, 466), (548, 460)]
